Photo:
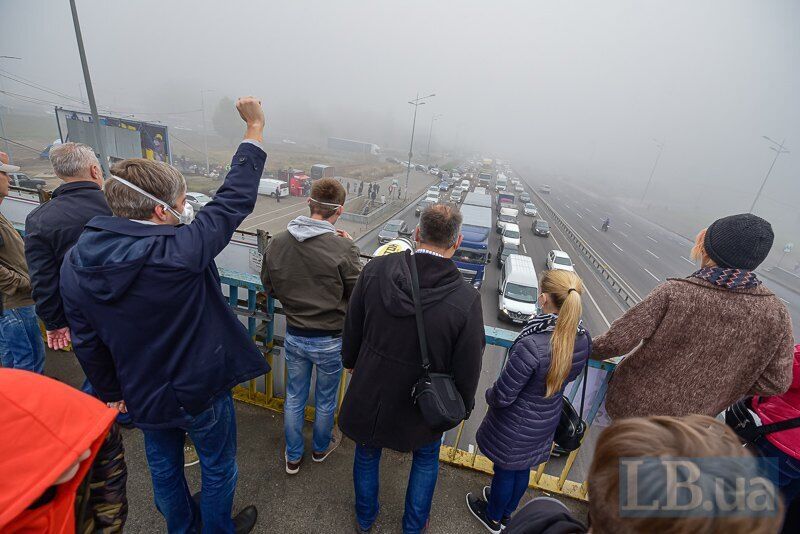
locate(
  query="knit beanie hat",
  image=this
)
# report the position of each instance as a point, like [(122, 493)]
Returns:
[(739, 241)]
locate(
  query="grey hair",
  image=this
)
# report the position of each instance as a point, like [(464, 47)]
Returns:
[(161, 180), (70, 160)]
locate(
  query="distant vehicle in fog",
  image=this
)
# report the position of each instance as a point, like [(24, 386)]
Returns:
[(392, 230), (545, 189), (197, 200), (524, 197)]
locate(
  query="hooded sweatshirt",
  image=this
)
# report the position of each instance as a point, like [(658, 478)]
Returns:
[(47, 427), (381, 345), (312, 272)]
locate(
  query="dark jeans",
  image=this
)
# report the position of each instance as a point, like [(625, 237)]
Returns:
[(788, 469), (508, 487), (213, 433), (419, 493)]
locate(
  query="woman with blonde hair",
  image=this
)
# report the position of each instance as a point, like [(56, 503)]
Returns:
[(698, 344), (525, 401)]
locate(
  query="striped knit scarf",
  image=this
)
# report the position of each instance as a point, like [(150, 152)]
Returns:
[(544, 323), (728, 278)]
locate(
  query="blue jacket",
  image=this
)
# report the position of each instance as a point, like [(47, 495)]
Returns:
[(149, 322), (518, 429), (50, 231)]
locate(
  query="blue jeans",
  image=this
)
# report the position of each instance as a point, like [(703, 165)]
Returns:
[(21, 344), (302, 353), (419, 493), (788, 470), (508, 487), (213, 433)]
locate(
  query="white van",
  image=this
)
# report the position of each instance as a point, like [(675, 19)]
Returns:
[(507, 215), (273, 188), (511, 234), (465, 185), (518, 289)]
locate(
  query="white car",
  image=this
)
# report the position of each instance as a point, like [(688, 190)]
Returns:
[(511, 234), (433, 190), (558, 259), (530, 209), (433, 199), (518, 188)]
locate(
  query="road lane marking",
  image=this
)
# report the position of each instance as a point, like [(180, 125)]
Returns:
[(579, 215), (628, 225), (687, 260), (589, 294), (651, 274), (525, 250), (784, 300), (595, 229), (656, 257), (624, 234), (567, 206), (617, 247), (651, 239), (588, 210)]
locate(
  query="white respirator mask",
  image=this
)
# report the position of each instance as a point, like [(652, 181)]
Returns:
[(184, 217)]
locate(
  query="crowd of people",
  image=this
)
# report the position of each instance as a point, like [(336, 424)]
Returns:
[(123, 270)]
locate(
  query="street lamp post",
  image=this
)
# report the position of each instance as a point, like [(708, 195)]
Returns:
[(660, 146), (430, 134), (205, 128), (779, 149), (101, 143), (417, 102)]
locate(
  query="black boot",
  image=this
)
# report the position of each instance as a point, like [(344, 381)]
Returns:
[(245, 520)]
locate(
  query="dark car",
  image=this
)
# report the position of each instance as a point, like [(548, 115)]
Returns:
[(444, 185), (541, 228), (503, 252), (524, 197), (392, 230), (421, 206), (19, 179)]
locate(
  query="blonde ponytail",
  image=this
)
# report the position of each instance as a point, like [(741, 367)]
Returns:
[(565, 289)]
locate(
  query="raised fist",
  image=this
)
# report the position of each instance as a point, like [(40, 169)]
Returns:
[(249, 109)]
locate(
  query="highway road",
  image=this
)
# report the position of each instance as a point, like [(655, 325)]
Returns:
[(643, 253)]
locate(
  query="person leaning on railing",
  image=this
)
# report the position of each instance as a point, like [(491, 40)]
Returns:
[(525, 401), (153, 331), (699, 344)]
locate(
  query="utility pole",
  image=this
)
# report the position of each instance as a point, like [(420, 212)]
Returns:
[(779, 149), (660, 146), (430, 133), (101, 142), (2, 127), (417, 102), (205, 128)]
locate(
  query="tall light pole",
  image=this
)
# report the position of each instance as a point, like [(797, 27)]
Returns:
[(101, 142), (779, 149), (417, 102), (205, 128), (660, 146), (430, 133)]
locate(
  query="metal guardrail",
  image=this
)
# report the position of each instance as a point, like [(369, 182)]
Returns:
[(628, 295), (246, 297)]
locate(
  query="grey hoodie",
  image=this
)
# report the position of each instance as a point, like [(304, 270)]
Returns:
[(303, 228), (312, 272)]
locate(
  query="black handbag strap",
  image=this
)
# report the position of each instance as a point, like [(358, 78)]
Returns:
[(585, 376), (787, 424), (415, 294)]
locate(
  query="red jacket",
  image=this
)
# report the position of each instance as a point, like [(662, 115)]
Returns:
[(44, 427), (781, 407)]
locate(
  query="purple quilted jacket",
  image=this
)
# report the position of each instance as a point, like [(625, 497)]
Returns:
[(518, 429)]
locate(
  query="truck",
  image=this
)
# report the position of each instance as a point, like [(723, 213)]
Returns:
[(484, 178), (322, 171), (473, 254), (501, 184), (478, 199), (505, 200)]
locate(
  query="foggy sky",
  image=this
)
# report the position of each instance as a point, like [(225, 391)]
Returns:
[(572, 88)]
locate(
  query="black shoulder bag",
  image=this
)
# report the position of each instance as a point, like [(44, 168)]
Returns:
[(435, 394), (739, 418), (571, 426)]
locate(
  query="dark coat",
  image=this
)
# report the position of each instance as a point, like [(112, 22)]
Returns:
[(149, 322), (50, 231), (518, 429), (381, 345)]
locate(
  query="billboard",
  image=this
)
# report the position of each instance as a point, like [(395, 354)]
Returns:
[(124, 138)]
